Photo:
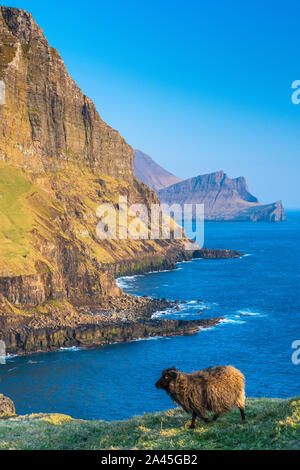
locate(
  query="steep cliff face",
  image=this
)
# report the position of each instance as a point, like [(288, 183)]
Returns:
[(54, 123), (58, 162), (223, 198), (152, 174)]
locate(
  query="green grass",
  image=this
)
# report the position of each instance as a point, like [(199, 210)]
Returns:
[(271, 424), (26, 48), (23, 207)]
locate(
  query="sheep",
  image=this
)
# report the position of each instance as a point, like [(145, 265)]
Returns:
[(217, 389)]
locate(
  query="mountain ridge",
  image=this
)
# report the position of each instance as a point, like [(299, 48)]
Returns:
[(223, 198)]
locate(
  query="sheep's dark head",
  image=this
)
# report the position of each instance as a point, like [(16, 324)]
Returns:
[(167, 376)]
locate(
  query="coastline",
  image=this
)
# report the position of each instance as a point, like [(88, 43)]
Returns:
[(89, 336), (114, 320)]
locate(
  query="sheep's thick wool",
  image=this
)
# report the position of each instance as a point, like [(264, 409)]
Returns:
[(217, 389)]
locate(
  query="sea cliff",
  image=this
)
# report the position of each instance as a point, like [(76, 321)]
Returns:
[(58, 162)]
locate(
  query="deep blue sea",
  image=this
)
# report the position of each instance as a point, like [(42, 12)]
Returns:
[(258, 295)]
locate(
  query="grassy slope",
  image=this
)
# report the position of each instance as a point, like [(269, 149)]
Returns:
[(23, 206), (271, 424), (16, 221)]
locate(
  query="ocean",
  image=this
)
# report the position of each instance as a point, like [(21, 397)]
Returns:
[(258, 296)]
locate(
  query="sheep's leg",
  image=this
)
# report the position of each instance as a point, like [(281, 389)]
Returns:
[(242, 410), (204, 418), (192, 426), (215, 417)]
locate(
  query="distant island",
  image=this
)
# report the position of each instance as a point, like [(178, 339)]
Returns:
[(224, 199)]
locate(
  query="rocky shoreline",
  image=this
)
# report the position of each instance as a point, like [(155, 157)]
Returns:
[(121, 319), (131, 267), (93, 335), (58, 324), (211, 253)]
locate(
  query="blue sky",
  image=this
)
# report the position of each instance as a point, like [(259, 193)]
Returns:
[(200, 86)]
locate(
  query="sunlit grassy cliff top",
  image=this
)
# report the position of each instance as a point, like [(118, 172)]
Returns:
[(271, 424)]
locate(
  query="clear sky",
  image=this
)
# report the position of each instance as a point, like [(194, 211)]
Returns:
[(200, 86)]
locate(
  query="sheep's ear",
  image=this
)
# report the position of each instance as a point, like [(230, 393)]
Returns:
[(172, 373)]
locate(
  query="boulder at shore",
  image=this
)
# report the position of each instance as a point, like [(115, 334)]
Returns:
[(7, 406)]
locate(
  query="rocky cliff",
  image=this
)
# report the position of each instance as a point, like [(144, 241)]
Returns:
[(223, 198), (58, 162), (152, 174)]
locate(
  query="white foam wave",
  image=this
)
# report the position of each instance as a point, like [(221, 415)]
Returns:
[(210, 328), (149, 339), (71, 348), (7, 357), (249, 313), (187, 309), (161, 271), (223, 322), (160, 313), (126, 281), (232, 320)]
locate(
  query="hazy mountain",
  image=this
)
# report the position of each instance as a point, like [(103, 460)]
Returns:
[(152, 174)]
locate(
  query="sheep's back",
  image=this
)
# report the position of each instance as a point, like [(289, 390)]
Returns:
[(224, 385)]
